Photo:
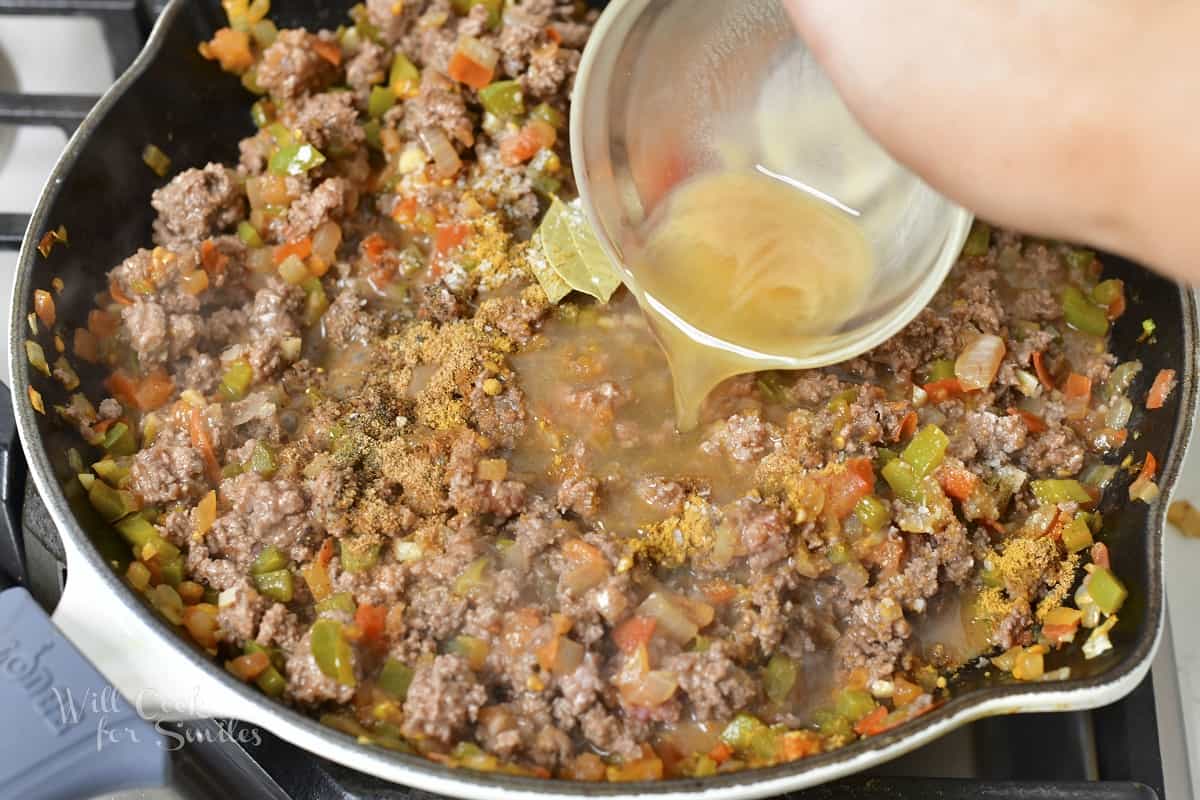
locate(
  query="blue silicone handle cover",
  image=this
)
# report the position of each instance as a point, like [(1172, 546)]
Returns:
[(65, 732)]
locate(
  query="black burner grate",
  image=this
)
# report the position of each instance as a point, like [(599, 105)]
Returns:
[(125, 24), (1108, 754)]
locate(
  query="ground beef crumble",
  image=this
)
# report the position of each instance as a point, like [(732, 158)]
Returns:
[(483, 492)]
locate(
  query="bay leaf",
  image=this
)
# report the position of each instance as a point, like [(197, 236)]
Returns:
[(572, 251)]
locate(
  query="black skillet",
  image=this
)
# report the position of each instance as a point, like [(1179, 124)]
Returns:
[(100, 191)]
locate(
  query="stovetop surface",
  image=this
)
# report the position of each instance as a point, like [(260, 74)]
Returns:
[(1116, 752)]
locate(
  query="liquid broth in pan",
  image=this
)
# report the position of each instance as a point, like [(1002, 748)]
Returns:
[(738, 264)]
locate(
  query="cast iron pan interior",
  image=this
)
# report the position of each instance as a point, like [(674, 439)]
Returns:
[(197, 114)]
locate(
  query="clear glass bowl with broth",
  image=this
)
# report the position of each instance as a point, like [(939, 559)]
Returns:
[(673, 95)]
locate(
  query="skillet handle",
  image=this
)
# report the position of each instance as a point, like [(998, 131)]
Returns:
[(66, 732)]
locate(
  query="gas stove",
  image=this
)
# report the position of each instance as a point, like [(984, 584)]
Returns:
[(57, 56)]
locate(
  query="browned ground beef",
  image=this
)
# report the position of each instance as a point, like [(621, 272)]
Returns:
[(485, 494)]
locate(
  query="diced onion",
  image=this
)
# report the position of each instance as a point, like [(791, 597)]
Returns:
[(1146, 491), (445, 157), (1028, 383), (979, 362), (1099, 643), (586, 576), (478, 51), (1119, 412), (325, 241), (672, 619), (568, 657), (407, 550), (650, 690)]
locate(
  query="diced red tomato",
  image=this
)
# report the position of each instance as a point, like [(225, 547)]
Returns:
[(114, 289), (301, 248), (465, 70), (328, 51), (873, 723), (721, 753), (718, 592), (102, 324), (326, 552), (1164, 383), (450, 236), (524, 145), (940, 391), (1043, 374), (405, 210), (1116, 309), (212, 259), (1057, 633), (847, 487), (373, 247), (1145, 476), (908, 426), (799, 744), (202, 441), (1033, 423), (956, 481), (633, 633), (371, 621), (1077, 395), (154, 390)]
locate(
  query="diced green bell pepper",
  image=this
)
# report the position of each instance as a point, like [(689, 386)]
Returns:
[(1109, 291), (739, 734), (172, 571), (340, 601), (332, 652), (262, 113), (854, 704), (270, 559), (110, 503), (941, 370), (358, 553), (405, 78), (873, 513), (549, 114), (1106, 590), (472, 577), (979, 240), (1053, 491), (395, 678), (1077, 536), (236, 380), (1082, 314), (262, 460), (295, 159), (1080, 259), (381, 100), (495, 9), (926, 450), (316, 302), (119, 440), (249, 234), (136, 530), (503, 99), (838, 553), (779, 677), (831, 723), (900, 476), (372, 129), (277, 585)]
